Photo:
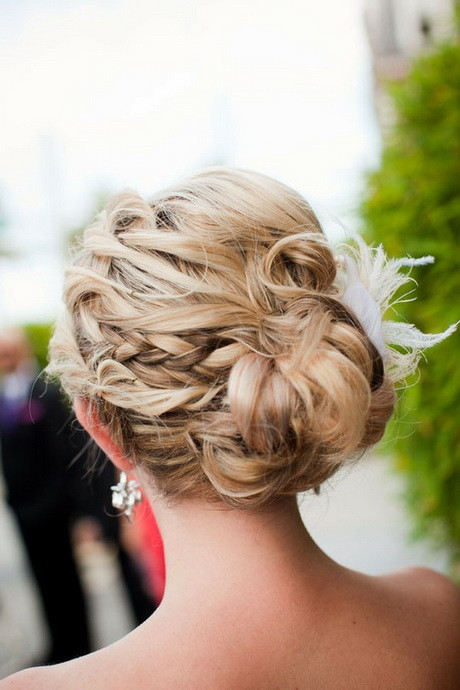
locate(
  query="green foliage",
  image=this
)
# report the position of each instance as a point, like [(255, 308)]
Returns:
[(38, 335), (412, 206)]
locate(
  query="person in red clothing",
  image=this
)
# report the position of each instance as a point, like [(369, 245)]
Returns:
[(95, 519), (151, 549)]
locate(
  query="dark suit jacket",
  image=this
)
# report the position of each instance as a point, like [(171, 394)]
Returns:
[(38, 443)]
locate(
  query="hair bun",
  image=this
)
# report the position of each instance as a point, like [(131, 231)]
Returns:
[(260, 400)]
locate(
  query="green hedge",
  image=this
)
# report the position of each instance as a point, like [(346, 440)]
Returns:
[(38, 335), (412, 206)]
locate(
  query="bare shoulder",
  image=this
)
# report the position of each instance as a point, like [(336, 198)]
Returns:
[(117, 665), (429, 605), (69, 675), (36, 678), (89, 670), (434, 592)]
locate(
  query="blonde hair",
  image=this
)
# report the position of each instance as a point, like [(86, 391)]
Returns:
[(206, 331)]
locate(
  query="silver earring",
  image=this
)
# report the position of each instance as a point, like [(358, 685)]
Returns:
[(126, 495)]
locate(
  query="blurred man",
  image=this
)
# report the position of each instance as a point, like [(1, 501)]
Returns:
[(36, 450), (44, 457)]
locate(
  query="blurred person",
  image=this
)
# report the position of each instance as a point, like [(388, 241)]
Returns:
[(96, 521), (55, 501), (35, 453), (152, 550), (223, 353)]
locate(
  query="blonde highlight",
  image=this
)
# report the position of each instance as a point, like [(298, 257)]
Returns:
[(206, 330)]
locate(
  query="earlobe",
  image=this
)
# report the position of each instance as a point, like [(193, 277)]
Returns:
[(89, 420)]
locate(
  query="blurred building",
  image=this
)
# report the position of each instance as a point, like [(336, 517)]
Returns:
[(398, 31)]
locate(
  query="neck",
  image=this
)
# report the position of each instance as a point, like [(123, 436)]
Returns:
[(210, 547)]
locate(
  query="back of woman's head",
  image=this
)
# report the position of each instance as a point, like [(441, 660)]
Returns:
[(206, 330)]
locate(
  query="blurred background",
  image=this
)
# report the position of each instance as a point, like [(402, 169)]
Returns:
[(356, 104)]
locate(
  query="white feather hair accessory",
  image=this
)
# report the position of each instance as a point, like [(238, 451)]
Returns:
[(368, 282)]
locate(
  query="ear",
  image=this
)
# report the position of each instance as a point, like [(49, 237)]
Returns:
[(90, 421)]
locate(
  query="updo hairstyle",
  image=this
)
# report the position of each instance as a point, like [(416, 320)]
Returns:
[(205, 330)]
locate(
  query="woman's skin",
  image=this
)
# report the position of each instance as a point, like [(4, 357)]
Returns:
[(252, 602)]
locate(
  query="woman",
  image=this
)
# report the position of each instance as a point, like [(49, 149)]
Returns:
[(216, 347)]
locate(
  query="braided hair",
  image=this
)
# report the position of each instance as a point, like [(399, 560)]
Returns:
[(205, 329)]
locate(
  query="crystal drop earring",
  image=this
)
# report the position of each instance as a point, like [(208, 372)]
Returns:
[(126, 495)]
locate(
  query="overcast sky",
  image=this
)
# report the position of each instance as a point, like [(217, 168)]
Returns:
[(106, 94)]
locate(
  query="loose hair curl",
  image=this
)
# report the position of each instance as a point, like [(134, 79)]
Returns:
[(206, 331)]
